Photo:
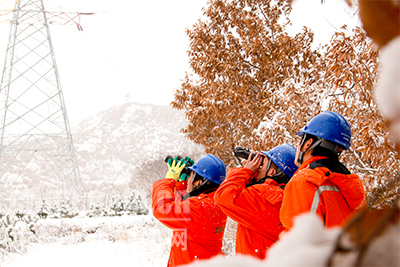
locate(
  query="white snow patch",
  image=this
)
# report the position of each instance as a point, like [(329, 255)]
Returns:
[(104, 241), (309, 243), (387, 90)]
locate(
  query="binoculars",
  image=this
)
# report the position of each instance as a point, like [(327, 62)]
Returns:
[(185, 170), (244, 153)]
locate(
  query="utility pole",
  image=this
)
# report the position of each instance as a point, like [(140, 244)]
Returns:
[(37, 154)]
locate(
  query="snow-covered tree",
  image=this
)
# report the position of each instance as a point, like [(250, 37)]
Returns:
[(117, 206), (16, 231), (241, 56), (67, 210), (141, 207), (131, 205), (254, 85), (43, 211), (96, 209)]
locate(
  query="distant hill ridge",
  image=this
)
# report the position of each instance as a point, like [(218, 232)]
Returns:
[(111, 144), (108, 147)]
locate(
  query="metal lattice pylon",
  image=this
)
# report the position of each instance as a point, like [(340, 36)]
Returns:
[(37, 154)]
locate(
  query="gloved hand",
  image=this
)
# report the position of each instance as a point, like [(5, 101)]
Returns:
[(189, 162), (183, 177), (175, 168)]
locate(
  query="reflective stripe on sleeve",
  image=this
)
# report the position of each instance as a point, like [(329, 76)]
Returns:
[(318, 193)]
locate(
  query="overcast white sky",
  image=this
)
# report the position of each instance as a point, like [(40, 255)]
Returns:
[(138, 48)]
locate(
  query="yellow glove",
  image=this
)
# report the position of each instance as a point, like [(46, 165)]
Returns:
[(174, 168)]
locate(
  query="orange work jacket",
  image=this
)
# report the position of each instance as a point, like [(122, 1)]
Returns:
[(198, 224), (255, 208), (333, 196), (180, 190)]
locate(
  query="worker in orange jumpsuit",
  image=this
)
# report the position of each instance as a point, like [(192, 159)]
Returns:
[(323, 185), (255, 205), (197, 222)]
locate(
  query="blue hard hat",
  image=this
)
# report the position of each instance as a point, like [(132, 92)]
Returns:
[(283, 156), (331, 126), (211, 168)]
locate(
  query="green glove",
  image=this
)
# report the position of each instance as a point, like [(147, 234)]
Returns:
[(174, 168), (183, 177), (189, 162)]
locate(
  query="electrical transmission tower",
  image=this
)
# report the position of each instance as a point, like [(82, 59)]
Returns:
[(37, 154)]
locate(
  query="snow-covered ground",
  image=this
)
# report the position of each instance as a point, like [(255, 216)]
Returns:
[(143, 241), (104, 241)]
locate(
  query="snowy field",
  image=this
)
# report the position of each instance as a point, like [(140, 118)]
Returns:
[(143, 241), (132, 241), (104, 241)]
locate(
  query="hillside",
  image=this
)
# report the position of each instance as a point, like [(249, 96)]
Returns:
[(108, 147)]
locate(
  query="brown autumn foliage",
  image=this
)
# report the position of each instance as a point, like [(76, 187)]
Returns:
[(254, 85)]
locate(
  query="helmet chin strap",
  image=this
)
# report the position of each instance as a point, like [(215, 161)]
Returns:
[(302, 153), (205, 187), (202, 184), (276, 177)]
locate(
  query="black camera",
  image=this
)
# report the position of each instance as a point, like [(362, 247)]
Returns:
[(185, 170), (244, 153)]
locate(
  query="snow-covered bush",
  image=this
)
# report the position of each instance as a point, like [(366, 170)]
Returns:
[(96, 210), (19, 229), (16, 231), (117, 206), (141, 208), (67, 211), (131, 205), (43, 211)]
